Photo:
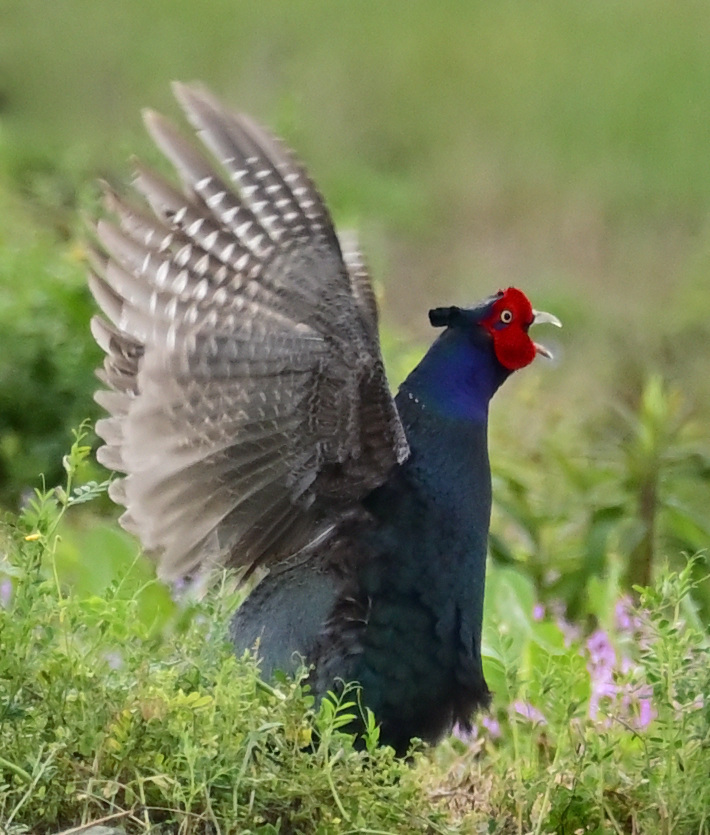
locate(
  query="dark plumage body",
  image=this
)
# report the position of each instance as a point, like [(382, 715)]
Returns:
[(399, 587), (250, 414)]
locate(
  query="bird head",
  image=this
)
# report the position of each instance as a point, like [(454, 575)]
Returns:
[(504, 319)]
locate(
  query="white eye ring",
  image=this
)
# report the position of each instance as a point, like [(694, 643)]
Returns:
[(506, 317)]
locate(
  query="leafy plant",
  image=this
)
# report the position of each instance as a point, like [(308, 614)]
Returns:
[(579, 514), (604, 733), (46, 360)]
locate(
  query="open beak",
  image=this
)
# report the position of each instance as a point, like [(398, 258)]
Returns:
[(542, 318)]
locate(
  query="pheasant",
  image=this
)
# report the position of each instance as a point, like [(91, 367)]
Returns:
[(250, 414)]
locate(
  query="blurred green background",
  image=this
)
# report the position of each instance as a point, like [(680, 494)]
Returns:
[(558, 146)]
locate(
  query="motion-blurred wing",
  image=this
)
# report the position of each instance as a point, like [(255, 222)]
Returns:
[(247, 397)]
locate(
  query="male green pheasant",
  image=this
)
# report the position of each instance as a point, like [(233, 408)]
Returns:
[(250, 414)]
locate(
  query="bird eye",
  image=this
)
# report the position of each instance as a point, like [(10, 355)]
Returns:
[(506, 317)]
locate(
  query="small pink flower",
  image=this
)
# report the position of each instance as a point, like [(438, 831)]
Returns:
[(528, 711), (647, 713), (625, 622), (492, 725), (5, 592), (114, 659), (602, 655)]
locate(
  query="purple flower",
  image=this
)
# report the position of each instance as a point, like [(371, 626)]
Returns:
[(637, 707), (626, 665), (529, 712), (571, 632), (647, 712), (601, 667), (114, 659), (630, 623), (601, 690), (492, 725), (602, 656), (625, 622), (5, 592), (538, 612), (623, 701)]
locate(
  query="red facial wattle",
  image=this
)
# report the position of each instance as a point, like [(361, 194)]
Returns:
[(510, 316)]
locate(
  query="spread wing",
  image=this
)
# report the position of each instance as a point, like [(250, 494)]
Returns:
[(247, 397)]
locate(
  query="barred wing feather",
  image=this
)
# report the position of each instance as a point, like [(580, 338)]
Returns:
[(248, 404)]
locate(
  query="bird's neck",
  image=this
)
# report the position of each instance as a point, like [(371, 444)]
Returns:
[(434, 512), (444, 408), (457, 377)]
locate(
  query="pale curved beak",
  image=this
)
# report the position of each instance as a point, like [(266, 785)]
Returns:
[(542, 318)]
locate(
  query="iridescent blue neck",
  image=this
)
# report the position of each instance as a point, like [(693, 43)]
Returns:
[(458, 376)]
